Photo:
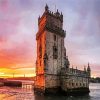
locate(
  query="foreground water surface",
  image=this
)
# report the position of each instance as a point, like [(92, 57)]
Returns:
[(7, 93)]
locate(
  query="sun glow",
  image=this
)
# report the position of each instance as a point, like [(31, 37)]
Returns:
[(21, 72)]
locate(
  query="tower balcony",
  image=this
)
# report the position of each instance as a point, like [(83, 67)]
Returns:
[(53, 28)]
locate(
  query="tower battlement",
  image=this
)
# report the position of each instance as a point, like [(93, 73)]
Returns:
[(52, 28), (47, 12), (52, 22)]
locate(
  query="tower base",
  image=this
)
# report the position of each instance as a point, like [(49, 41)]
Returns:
[(58, 90)]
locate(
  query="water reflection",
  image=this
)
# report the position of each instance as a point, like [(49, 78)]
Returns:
[(94, 95), (62, 98), (7, 93)]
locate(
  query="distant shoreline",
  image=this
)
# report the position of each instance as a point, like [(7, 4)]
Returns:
[(95, 80)]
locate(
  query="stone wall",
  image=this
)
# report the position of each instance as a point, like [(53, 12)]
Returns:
[(52, 81), (54, 65), (71, 80)]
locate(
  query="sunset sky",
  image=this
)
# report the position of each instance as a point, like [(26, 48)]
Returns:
[(18, 27)]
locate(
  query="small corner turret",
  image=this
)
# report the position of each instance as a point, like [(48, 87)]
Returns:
[(46, 8), (85, 68), (89, 70)]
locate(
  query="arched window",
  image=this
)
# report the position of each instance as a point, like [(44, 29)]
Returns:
[(72, 84), (80, 84), (55, 52), (40, 48), (55, 37), (84, 84)]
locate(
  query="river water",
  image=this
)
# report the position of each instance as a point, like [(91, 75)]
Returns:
[(7, 93)]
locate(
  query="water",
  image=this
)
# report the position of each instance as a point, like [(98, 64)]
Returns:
[(7, 93)]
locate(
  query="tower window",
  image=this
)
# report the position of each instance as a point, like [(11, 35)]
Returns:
[(40, 49), (55, 37), (55, 52)]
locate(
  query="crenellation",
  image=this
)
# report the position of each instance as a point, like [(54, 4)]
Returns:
[(55, 16)]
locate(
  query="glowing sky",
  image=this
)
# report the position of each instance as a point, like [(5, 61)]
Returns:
[(18, 27)]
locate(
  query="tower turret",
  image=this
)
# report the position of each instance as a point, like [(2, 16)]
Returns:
[(85, 68), (46, 8), (89, 70)]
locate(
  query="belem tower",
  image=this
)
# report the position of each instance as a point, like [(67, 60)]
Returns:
[(53, 72)]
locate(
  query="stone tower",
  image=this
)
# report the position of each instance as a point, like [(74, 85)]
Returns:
[(51, 53)]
